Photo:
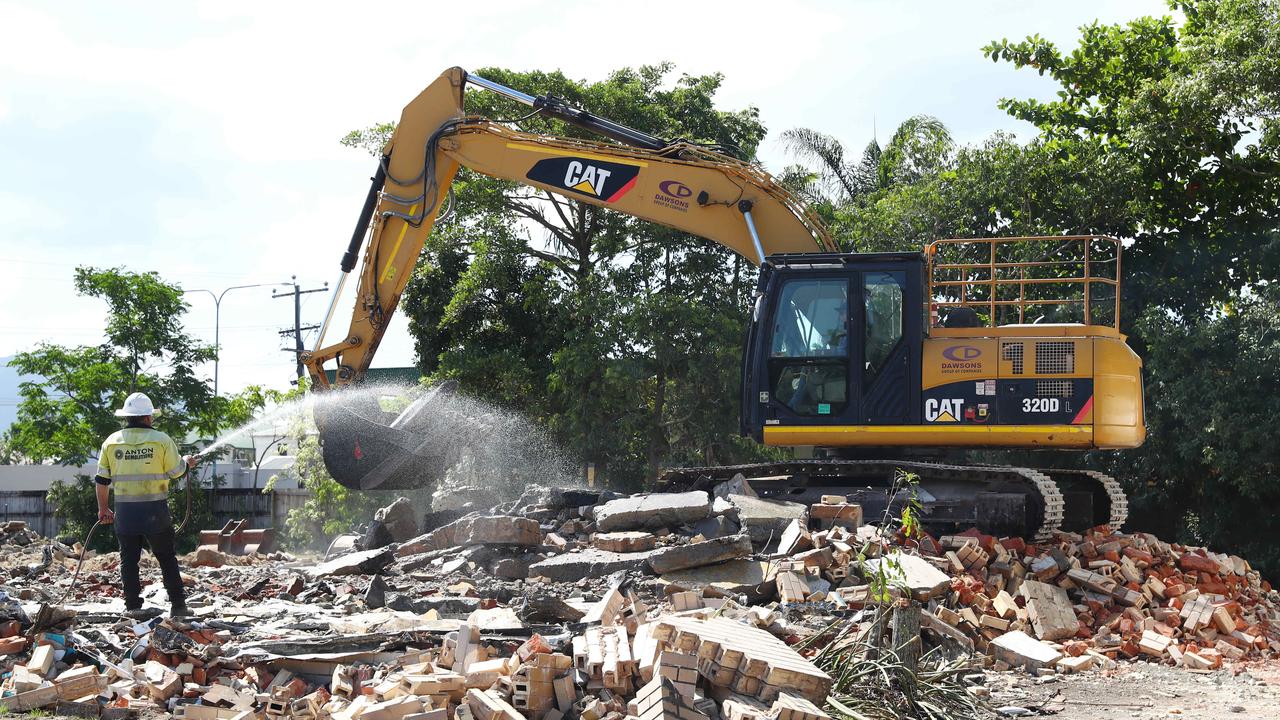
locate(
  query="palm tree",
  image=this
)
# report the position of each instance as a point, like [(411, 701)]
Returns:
[(920, 146)]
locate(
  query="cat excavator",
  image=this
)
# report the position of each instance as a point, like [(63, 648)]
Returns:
[(870, 364)]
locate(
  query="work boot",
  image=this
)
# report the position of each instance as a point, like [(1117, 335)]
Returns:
[(140, 613), (180, 611)]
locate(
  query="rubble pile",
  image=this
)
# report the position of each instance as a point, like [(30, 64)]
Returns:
[(576, 604), (1095, 598), (16, 532)]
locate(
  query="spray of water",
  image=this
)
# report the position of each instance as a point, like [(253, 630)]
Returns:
[(469, 450)]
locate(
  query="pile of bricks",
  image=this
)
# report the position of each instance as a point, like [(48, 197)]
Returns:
[(1100, 597)]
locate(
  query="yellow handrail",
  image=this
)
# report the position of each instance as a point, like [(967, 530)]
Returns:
[(1035, 260)]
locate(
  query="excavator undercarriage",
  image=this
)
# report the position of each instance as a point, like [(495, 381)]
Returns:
[(998, 500)]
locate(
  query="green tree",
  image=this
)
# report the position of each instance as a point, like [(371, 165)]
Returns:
[(1208, 470), (331, 510), (1194, 109), (66, 413), (920, 147)]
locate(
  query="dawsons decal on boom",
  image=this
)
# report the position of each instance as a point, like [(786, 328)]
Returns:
[(593, 178)]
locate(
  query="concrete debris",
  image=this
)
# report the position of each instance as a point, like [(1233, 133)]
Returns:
[(921, 580), (698, 554), (581, 605), (587, 563), (652, 511), (395, 523), (363, 562), (624, 542), (765, 519)]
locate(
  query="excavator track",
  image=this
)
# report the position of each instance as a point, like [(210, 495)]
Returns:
[(1104, 488), (1048, 504)]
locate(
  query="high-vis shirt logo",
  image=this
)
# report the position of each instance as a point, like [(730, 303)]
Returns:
[(140, 462)]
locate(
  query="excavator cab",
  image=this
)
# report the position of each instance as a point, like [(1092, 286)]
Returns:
[(835, 340)]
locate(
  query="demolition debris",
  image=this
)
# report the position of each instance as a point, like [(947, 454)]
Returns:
[(570, 604)]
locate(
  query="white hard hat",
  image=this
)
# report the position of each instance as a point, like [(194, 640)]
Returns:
[(137, 405)]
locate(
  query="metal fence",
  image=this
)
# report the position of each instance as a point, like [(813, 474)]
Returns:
[(261, 510)]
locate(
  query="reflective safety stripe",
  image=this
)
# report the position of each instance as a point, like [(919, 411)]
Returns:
[(136, 487), (149, 497), (141, 476)]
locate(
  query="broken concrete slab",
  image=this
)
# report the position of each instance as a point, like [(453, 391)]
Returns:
[(363, 562), (587, 563), (505, 530), (751, 577), (652, 511), (716, 526), (764, 518), (396, 522), (1019, 649), (699, 554), (737, 485), (912, 573), (625, 541)]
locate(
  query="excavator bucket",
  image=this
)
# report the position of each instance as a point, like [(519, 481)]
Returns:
[(368, 448)]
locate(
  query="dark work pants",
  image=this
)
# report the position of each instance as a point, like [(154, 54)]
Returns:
[(162, 547)]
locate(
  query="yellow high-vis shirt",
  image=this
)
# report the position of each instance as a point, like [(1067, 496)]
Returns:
[(139, 462)]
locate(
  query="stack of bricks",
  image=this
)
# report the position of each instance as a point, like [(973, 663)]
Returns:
[(747, 660), (661, 700), (603, 655), (836, 511), (533, 689), (1100, 597)]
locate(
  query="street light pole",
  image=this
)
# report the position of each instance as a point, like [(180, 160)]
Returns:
[(217, 346)]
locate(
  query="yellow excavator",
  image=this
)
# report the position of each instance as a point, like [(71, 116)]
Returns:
[(865, 362)]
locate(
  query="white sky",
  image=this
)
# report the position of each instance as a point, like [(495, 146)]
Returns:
[(200, 139)]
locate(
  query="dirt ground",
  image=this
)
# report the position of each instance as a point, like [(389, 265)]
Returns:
[(1145, 691)]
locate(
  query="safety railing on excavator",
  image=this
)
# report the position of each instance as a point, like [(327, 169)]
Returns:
[(1020, 280)]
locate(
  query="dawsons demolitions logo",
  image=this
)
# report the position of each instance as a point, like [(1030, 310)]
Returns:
[(961, 359), (598, 179), (673, 194)]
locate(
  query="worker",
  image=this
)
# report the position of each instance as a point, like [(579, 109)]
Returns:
[(138, 462)]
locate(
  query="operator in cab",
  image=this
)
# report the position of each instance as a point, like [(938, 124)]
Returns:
[(137, 463)]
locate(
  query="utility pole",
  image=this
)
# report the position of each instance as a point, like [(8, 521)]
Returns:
[(297, 294)]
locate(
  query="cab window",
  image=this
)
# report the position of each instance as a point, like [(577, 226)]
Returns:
[(812, 319), (809, 349), (882, 305)]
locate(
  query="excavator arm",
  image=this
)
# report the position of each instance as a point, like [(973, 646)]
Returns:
[(681, 185)]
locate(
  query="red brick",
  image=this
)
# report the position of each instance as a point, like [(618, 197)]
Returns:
[(1014, 544), (1200, 563), (1137, 555), (13, 645)]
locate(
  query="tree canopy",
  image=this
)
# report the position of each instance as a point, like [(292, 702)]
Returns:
[(66, 414), (1192, 111)]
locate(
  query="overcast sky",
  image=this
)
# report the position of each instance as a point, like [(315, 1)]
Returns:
[(200, 139)]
